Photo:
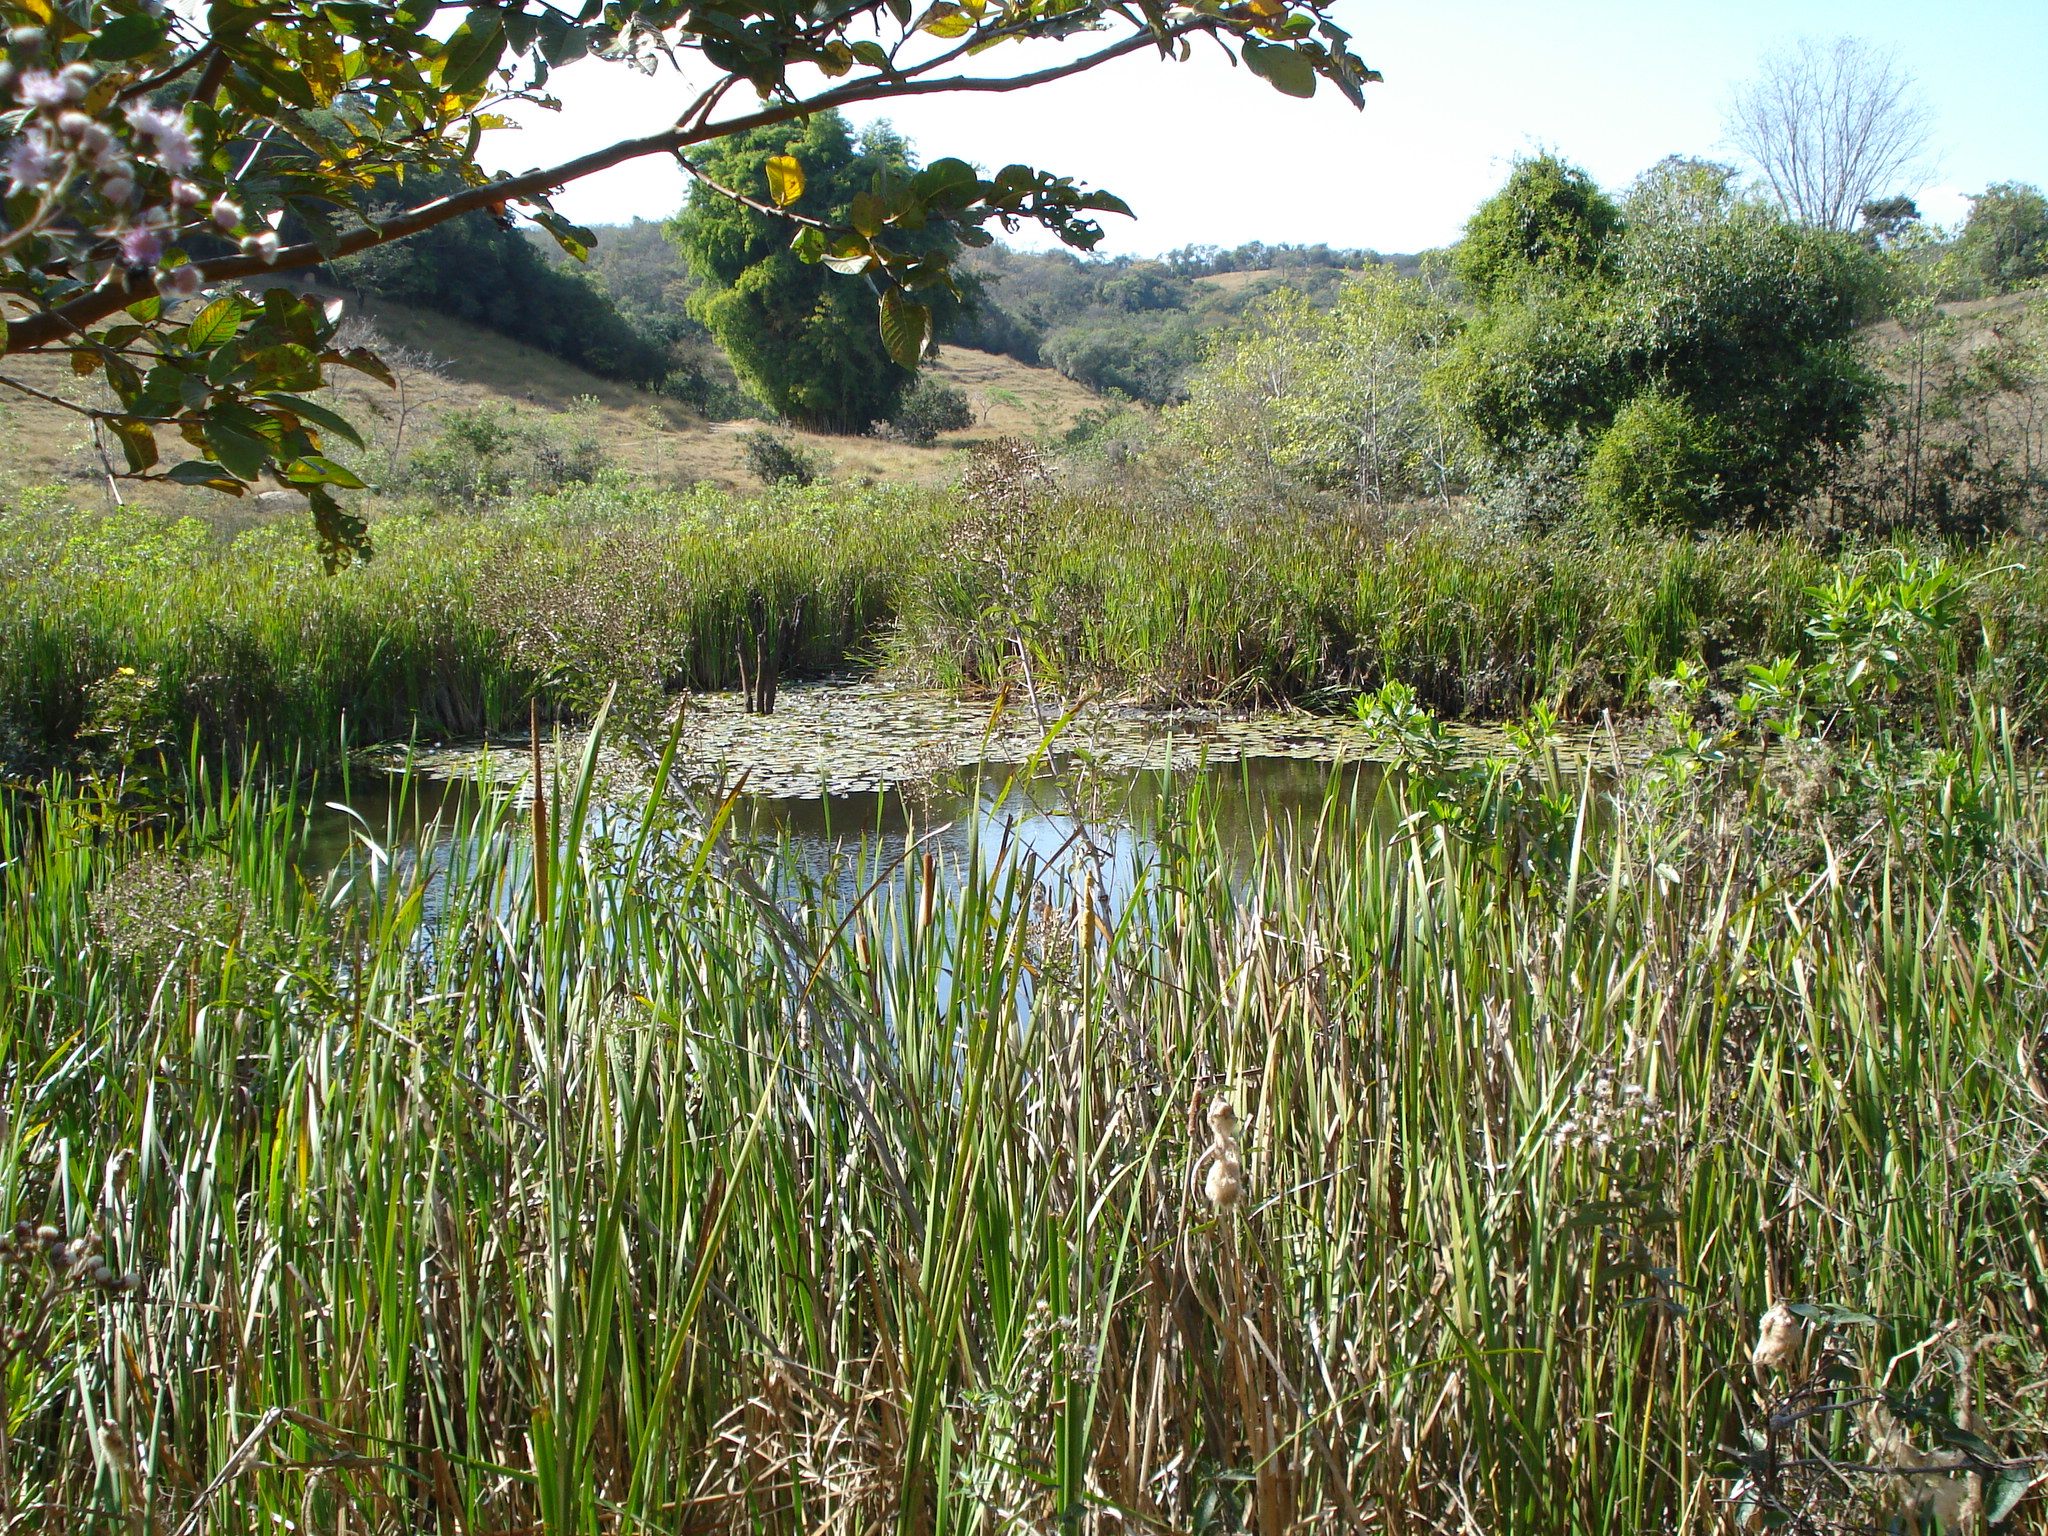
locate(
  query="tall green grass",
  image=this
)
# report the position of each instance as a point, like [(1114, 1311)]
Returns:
[(462, 619), (641, 1186), (1483, 622), (456, 624)]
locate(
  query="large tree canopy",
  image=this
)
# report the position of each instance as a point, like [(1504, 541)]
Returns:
[(151, 153), (807, 340)]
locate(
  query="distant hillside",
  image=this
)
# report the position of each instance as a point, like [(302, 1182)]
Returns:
[(448, 365), (1123, 323)]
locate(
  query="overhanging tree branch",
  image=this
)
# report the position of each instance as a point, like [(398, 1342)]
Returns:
[(60, 325)]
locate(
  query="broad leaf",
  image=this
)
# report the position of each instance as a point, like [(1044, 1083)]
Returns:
[(215, 324), (1289, 72), (313, 469), (138, 443), (906, 327), (785, 179), (128, 37)]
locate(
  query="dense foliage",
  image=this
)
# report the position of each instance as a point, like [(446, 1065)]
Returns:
[(1693, 365), (2004, 244), (476, 269), (139, 136), (807, 341)]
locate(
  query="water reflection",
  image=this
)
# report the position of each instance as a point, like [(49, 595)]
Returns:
[(1063, 821)]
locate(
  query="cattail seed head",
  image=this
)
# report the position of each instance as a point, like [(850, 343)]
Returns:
[(1779, 1334), (1222, 1118), (1225, 1183)]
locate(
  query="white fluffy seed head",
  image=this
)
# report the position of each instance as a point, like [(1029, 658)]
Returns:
[(1779, 1334), (1222, 1118), (1225, 1184)]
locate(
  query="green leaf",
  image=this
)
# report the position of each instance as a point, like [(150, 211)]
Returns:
[(869, 214), (948, 183), (203, 472), (850, 263), (315, 469), (871, 54), (472, 52), (906, 327), (785, 179), (1286, 70), (241, 454), (573, 238), (809, 245), (319, 415), (2005, 1493), (128, 37), (215, 324), (138, 442), (1105, 202)]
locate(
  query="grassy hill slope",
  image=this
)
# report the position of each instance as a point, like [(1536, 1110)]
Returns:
[(446, 365)]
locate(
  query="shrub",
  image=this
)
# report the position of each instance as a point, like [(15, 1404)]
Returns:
[(2005, 242), (1326, 401), (777, 459), (1550, 221), (930, 408), (1657, 465), (483, 456)]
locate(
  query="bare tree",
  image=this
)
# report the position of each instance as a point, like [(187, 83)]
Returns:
[(1830, 126)]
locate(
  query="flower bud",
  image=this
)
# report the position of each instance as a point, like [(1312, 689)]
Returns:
[(118, 190), (185, 194), (73, 125), (180, 282), (27, 39), (262, 246), (226, 214)]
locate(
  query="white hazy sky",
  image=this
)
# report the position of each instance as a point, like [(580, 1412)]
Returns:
[(1207, 154)]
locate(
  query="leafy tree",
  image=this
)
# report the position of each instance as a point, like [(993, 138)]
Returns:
[(809, 344), (931, 407), (1713, 334), (477, 270), (1549, 223), (2005, 243), (1325, 400), (136, 130)]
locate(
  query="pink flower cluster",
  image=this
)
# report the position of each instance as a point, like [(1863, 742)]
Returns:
[(62, 146)]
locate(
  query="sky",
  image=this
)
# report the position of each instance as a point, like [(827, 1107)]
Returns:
[(1207, 154)]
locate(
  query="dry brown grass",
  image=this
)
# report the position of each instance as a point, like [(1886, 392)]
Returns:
[(648, 436)]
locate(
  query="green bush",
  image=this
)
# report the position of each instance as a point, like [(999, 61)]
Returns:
[(1656, 466), (1724, 306), (777, 459), (931, 407), (806, 339), (1550, 222), (484, 455)]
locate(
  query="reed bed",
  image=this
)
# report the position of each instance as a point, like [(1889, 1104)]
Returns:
[(462, 619), (600, 1175)]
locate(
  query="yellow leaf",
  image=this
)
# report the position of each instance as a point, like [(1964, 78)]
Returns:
[(785, 179), (948, 21)]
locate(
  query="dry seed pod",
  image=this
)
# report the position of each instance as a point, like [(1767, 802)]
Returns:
[(1779, 1335), (1225, 1183)]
